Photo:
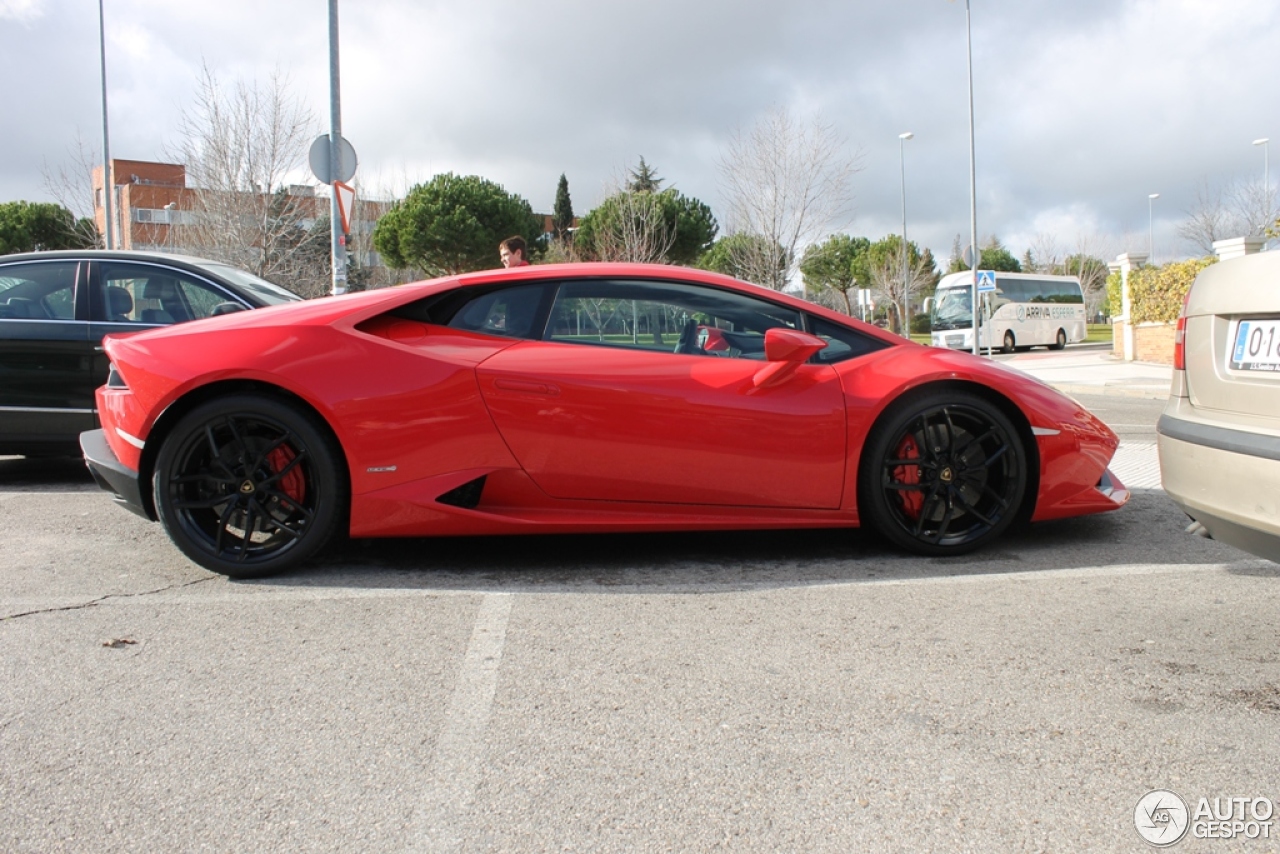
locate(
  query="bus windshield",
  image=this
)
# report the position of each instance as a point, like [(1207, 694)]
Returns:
[(953, 309)]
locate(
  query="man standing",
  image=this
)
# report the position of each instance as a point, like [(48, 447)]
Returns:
[(512, 251)]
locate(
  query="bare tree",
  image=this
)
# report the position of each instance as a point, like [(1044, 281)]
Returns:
[(889, 283), (786, 183), (631, 226), (1208, 219), (1253, 206), (240, 147), (71, 185), (1045, 254)]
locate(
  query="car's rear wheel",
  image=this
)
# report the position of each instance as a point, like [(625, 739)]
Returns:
[(248, 486), (1009, 342), (943, 474), (1059, 342)]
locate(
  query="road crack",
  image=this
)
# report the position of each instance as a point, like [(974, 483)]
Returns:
[(92, 603)]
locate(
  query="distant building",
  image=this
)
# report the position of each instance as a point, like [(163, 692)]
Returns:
[(152, 203)]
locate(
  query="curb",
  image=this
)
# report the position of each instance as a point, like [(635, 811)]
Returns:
[(1117, 391)]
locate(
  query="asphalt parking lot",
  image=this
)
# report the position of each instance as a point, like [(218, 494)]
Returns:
[(787, 691)]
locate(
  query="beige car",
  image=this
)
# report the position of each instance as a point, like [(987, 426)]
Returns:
[(1219, 435)]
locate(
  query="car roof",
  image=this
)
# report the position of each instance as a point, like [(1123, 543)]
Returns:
[(107, 254)]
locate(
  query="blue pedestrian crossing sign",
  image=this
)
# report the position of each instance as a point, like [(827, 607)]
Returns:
[(986, 281)]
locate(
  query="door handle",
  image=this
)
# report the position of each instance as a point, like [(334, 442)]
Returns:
[(526, 386)]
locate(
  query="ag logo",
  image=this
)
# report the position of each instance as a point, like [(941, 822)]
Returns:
[(1161, 818)]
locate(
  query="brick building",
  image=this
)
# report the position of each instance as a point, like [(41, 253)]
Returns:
[(152, 203)]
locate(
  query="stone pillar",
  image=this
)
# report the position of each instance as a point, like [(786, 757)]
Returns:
[(1125, 263), (1238, 247)]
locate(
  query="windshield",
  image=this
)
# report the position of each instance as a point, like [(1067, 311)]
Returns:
[(267, 292), (953, 309)]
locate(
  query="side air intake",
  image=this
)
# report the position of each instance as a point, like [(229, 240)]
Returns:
[(466, 496)]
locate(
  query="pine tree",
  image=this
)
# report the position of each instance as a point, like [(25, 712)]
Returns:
[(644, 179), (562, 213)]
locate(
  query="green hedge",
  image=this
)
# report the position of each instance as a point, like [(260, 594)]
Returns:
[(1115, 299), (1156, 293)]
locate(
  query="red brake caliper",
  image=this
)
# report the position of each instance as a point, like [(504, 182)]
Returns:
[(292, 484), (912, 502)]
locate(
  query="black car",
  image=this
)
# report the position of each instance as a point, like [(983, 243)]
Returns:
[(56, 306)]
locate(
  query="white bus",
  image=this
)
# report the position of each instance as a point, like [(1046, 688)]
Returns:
[(1026, 310)]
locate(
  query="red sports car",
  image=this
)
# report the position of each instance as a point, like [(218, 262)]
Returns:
[(575, 398)]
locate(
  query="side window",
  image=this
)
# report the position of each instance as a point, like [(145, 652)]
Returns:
[(842, 343), (667, 317), (142, 293), (512, 312), (38, 291)]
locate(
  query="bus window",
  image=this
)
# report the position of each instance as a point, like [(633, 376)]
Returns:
[(1015, 290)]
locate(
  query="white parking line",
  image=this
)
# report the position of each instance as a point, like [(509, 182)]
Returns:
[(459, 754), (1137, 464)]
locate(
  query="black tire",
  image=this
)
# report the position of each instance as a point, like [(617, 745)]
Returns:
[(1060, 342), (1009, 342), (943, 474), (249, 486)]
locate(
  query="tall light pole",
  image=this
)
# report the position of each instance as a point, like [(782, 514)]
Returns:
[(902, 146), (107, 189), (1151, 232), (337, 238), (973, 180), (1266, 181)]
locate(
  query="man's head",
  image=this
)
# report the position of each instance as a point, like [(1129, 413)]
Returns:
[(512, 251)]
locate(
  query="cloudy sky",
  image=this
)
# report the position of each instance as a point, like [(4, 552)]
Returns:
[(1083, 107)]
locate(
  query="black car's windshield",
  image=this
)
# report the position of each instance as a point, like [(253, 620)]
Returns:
[(266, 292), (953, 309)]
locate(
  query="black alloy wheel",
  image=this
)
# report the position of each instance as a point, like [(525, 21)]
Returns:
[(1009, 342), (249, 486), (943, 475)]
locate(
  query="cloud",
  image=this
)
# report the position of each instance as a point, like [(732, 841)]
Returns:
[(22, 11), (1081, 108)]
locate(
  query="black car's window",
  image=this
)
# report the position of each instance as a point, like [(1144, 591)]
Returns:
[(842, 343), (262, 291), (145, 293), (41, 290), (668, 317)]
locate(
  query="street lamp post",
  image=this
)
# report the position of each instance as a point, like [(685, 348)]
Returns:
[(973, 180), (1151, 233), (107, 190), (902, 146), (1266, 180)]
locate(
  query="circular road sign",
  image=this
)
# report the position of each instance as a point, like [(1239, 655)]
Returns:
[(319, 158)]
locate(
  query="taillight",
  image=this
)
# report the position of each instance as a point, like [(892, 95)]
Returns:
[(1180, 336)]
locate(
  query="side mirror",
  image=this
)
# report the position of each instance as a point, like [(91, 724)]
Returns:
[(786, 350), (927, 308)]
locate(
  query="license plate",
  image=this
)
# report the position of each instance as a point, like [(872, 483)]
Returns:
[(1257, 346), (955, 341)]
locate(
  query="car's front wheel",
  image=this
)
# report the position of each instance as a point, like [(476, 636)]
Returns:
[(943, 474), (248, 485)]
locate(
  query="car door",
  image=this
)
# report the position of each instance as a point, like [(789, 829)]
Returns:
[(645, 391), (46, 388)]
